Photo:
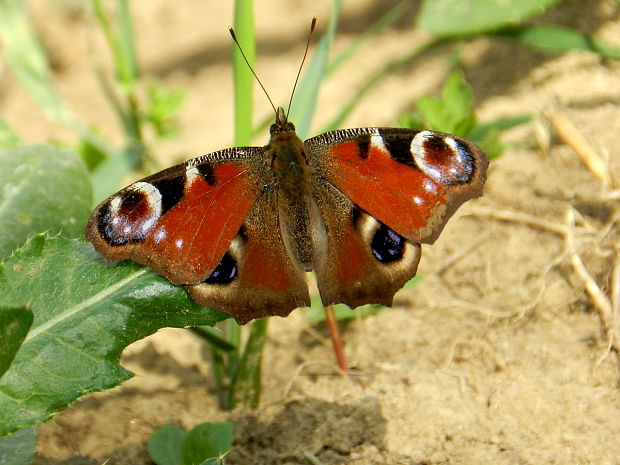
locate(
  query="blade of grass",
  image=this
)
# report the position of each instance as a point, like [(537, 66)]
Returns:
[(384, 21), (304, 102), (26, 57), (242, 76), (8, 137), (381, 74), (245, 386), (120, 41)]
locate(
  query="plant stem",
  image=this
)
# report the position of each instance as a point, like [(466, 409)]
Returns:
[(334, 332)]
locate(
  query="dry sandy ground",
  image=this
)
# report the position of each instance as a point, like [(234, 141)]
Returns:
[(497, 357)]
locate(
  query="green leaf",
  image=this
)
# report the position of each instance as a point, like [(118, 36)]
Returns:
[(8, 137), (164, 445), (557, 39), (14, 325), (487, 135), (18, 448), (452, 113), (42, 188), (85, 313), (206, 441), (163, 104), (450, 18)]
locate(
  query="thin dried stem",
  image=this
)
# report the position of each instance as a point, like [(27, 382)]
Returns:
[(569, 133), (334, 332)]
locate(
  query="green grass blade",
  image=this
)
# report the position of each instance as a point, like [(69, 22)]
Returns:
[(8, 137), (242, 76), (384, 21), (245, 387), (304, 102), (391, 67), (128, 61), (214, 337), (25, 56)]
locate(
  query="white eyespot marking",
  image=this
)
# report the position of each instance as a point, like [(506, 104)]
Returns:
[(191, 173), (236, 248), (160, 235), (418, 200), (418, 151), (463, 161), (153, 196), (115, 204), (442, 158), (376, 140), (132, 214), (367, 226), (429, 186), (178, 244)]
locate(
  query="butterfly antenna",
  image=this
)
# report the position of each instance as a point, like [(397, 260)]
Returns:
[(312, 25), (234, 37)]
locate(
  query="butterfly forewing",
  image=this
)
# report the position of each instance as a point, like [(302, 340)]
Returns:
[(180, 221), (410, 180)]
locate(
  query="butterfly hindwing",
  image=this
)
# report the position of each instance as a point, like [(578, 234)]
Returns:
[(410, 180), (260, 278), (357, 259), (180, 221)]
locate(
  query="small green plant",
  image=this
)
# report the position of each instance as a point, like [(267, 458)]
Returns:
[(453, 112), (204, 444)]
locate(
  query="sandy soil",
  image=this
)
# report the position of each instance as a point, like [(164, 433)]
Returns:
[(497, 357)]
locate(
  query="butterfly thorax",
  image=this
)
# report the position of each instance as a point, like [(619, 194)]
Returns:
[(289, 164)]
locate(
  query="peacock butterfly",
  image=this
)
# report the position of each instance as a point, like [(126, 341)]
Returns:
[(239, 227)]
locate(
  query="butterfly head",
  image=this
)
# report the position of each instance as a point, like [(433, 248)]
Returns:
[(281, 124)]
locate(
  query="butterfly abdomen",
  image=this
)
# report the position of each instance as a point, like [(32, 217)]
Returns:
[(292, 172)]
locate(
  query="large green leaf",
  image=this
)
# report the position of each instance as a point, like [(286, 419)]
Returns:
[(85, 313), (14, 325), (42, 188), (449, 18)]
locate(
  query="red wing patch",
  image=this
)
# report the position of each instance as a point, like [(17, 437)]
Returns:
[(180, 222), (410, 180)]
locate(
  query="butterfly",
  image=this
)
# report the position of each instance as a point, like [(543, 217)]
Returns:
[(239, 228)]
